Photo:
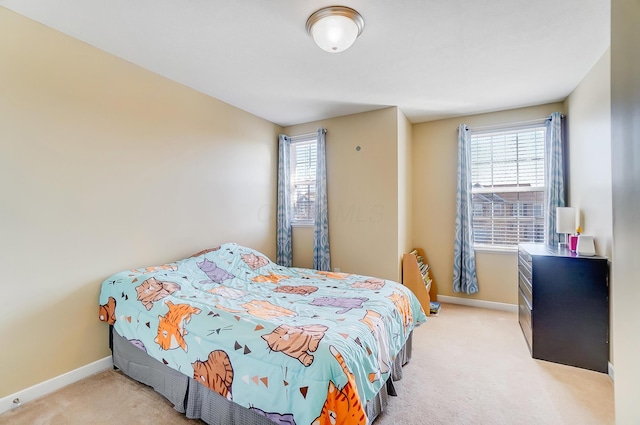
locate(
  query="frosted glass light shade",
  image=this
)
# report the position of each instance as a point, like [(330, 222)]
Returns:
[(334, 29), (565, 220)]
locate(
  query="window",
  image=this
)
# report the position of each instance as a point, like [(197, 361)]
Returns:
[(508, 184), (303, 179)]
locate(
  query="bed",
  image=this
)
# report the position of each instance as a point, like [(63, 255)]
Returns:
[(228, 336)]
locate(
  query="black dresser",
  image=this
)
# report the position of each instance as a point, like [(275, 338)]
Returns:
[(563, 306)]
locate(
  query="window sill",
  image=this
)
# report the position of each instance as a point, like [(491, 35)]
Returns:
[(302, 224), (496, 249)]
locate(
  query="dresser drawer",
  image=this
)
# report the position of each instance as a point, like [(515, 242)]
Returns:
[(524, 317), (524, 255), (524, 284), (524, 264)]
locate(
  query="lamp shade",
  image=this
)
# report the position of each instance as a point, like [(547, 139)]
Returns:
[(334, 29), (565, 220)]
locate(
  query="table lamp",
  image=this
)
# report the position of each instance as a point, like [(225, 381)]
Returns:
[(565, 223)]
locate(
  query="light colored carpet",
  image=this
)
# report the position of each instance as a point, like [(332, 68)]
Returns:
[(469, 366)]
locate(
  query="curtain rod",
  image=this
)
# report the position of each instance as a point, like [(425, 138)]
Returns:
[(308, 135), (315, 133), (511, 124)]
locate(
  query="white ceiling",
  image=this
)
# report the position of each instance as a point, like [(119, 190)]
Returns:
[(432, 58)]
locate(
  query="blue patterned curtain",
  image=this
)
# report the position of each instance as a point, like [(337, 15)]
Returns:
[(321, 255), (464, 258), (284, 254), (555, 194)]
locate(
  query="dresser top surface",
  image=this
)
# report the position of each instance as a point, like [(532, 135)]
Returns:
[(554, 251)]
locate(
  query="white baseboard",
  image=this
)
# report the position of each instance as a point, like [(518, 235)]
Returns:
[(14, 400), (513, 308), (610, 370)]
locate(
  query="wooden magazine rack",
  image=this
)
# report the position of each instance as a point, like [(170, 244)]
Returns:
[(415, 276)]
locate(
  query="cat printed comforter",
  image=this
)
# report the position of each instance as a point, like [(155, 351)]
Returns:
[(297, 345)]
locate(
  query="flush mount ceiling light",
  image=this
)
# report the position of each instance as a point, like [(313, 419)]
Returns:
[(335, 28)]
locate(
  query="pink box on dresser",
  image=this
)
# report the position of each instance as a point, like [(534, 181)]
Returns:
[(573, 242)]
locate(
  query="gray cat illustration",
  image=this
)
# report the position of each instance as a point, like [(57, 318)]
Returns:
[(214, 272), (346, 303)]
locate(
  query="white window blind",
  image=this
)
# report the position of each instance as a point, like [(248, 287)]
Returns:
[(303, 179), (508, 184)]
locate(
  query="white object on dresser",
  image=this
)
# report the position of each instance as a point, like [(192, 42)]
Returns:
[(585, 246)]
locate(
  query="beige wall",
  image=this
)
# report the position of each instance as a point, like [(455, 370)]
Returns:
[(435, 147), (405, 187), (589, 134), (362, 188), (105, 167), (302, 246), (625, 165)]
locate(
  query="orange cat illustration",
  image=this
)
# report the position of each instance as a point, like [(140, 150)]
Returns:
[(226, 292), (404, 308), (296, 341), (171, 329), (271, 277), (107, 312), (342, 406), (154, 290), (334, 275), (372, 283), (164, 267), (297, 290), (254, 261), (216, 373), (266, 310), (204, 251), (261, 309), (379, 330)]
